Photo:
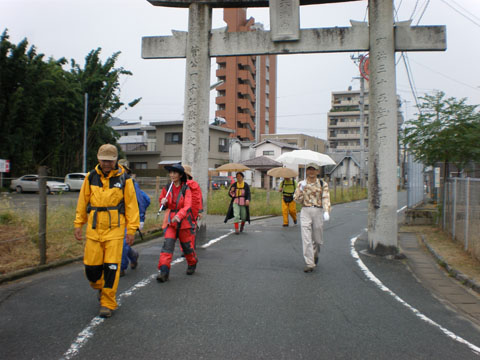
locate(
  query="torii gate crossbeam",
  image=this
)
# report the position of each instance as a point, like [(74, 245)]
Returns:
[(381, 37)]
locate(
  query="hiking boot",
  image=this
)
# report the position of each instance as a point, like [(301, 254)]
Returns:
[(308, 269), (191, 269), (162, 276), (122, 273), (105, 312), (134, 263)]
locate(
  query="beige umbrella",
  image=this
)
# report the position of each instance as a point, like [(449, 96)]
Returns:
[(232, 167), (282, 172)]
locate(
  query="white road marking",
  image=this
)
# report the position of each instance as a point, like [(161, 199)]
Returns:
[(88, 332), (417, 313)]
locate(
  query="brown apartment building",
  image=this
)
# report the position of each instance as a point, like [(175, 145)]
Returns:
[(246, 100)]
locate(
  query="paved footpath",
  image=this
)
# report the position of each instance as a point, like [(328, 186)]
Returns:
[(450, 291)]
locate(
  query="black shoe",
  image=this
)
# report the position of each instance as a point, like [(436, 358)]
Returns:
[(191, 269), (295, 222), (122, 273), (134, 264), (162, 276), (285, 225)]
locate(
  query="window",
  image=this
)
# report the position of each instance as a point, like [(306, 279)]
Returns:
[(139, 132), (173, 138), (138, 165), (222, 145), (268, 152)]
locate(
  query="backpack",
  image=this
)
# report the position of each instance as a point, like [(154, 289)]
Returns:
[(197, 200)]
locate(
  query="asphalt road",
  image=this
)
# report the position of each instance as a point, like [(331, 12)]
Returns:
[(249, 299)]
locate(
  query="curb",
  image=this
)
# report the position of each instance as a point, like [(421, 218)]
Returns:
[(462, 278), (34, 270)]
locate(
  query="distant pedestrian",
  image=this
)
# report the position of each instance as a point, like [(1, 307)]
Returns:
[(129, 254), (314, 196), (287, 188), (180, 224), (107, 202), (239, 208)]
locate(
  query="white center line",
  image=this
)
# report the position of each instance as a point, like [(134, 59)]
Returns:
[(88, 331)]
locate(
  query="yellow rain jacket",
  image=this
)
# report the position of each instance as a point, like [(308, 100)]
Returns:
[(108, 204)]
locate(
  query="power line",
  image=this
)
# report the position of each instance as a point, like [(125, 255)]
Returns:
[(459, 12), (423, 12), (446, 76), (467, 11)]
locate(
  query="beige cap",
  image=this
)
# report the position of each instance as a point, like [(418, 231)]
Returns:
[(107, 152), (315, 166), (188, 170)]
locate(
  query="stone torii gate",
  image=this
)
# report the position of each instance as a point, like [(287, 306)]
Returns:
[(380, 36)]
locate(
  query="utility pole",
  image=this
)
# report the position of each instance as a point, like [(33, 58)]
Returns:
[(361, 106), (362, 132), (85, 118)]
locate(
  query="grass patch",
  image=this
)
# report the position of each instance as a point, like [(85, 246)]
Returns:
[(452, 252)]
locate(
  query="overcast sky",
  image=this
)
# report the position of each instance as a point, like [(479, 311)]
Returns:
[(71, 29)]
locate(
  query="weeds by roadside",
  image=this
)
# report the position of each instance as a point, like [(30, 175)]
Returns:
[(451, 251)]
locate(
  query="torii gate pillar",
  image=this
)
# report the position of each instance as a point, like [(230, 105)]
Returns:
[(382, 146), (197, 98), (380, 36)]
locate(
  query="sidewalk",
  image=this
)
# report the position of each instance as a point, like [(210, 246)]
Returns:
[(425, 267)]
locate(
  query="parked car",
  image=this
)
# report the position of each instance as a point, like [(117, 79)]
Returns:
[(30, 183), (74, 181), (222, 181)]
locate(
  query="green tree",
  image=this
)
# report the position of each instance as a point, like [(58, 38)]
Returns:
[(446, 130), (42, 107)]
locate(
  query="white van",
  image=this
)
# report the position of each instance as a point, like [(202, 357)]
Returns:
[(74, 181)]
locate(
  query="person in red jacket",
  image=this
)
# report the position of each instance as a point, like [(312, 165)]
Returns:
[(180, 224), (197, 199)]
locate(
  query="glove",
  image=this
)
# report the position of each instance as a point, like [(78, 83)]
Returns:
[(302, 184), (326, 216), (141, 225)]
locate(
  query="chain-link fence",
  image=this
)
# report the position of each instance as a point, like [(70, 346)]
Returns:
[(461, 212)]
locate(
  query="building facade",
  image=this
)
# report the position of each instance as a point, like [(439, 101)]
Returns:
[(246, 98), (301, 141), (344, 121), (147, 147)]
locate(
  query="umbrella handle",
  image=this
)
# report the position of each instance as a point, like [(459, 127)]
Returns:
[(168, 192)]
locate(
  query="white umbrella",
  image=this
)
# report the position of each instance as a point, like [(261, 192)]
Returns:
[(304, 157)]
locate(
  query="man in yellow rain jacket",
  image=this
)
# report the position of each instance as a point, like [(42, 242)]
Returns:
[(107, 202)]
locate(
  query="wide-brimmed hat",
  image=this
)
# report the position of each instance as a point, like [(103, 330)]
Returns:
[(175, 167), (107, 152), (188, 170), (124, 163), (315, 166)]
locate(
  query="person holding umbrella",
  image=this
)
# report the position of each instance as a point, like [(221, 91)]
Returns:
[(314, 196), (239, 205)]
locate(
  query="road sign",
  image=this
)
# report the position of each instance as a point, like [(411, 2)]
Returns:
[(363, 66), (4, 165)]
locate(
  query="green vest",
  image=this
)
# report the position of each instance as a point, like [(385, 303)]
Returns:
[(288, 186)]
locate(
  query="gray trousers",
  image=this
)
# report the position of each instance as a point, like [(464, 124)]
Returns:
[(312, 233)]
